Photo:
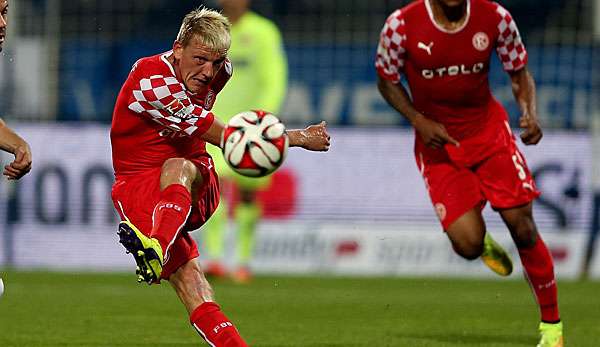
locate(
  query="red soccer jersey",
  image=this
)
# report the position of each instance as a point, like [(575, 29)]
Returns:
[(157, 118), (447, 71)]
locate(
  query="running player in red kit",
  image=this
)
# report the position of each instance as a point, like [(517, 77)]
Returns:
[(464, 146), (166, 183)]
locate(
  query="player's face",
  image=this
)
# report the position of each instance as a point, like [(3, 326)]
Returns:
[(3, 22), (197, 64)]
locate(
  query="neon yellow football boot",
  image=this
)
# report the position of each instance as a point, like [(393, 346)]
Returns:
[(551, 335), (146, 251), (495, 257)]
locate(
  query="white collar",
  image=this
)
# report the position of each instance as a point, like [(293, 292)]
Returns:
[(442, 29), (164, 57)]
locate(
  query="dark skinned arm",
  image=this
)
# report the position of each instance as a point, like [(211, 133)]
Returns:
[(433, 133), (523, 87)]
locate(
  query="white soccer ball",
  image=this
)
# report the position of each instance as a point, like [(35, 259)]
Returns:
[(254, 143), (1, 287)]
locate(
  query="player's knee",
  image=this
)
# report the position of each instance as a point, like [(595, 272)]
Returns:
[(179, 165), (469, 253), (469, 249), (178, 171)]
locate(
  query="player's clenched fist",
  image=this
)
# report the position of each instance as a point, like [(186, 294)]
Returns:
[(21, 165), (11, 142), (532, 133), (433, 133), (313, 138)]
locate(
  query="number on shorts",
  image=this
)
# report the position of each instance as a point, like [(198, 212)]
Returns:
[(518, 161)]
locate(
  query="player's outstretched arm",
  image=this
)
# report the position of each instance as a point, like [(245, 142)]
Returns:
[(214, 133), (433, 133), (313, 138), (12, 143), (523, 87)]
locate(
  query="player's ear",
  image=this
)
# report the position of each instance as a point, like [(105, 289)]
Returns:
[(177, 50)]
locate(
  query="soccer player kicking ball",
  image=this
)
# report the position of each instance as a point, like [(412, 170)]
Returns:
[(166, 183), (464, 147)]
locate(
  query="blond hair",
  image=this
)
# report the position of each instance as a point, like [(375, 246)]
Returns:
[(210, 27)]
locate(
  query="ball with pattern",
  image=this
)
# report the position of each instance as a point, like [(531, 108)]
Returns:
[(254, 143)]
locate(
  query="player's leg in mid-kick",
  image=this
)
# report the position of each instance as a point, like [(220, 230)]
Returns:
[(184, 272), (538, 265), (159, 215), (164, 213)]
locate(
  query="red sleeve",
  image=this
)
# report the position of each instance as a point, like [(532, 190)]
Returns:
[(509, 46), (165, 101), (391, 51)]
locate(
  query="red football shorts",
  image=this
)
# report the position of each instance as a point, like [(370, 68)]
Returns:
[(485, 167), (136, 196)]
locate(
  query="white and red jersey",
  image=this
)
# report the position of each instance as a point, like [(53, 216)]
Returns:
[(157, 118), (447, 71)]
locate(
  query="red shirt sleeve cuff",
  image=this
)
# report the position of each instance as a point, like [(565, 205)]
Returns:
[(387, 76)]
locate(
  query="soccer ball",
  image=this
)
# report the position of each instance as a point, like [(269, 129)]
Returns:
[(254, 143)]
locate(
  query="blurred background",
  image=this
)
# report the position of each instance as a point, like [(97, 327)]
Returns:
[(361, 209)]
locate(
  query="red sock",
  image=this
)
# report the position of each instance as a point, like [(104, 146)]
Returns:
[(539, 269), (216, 329), (170, 215)]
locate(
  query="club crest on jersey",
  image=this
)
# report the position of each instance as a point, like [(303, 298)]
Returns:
[(178, 109), (481, 41), (452, 70)]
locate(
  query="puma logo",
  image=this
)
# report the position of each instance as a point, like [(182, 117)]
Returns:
[(425, 47)]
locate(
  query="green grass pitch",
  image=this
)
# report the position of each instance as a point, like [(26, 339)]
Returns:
[(56, 309)]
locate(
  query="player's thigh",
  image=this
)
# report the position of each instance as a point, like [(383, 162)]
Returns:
[(136, 197), (453, 190), (505, 179), (467, 233)]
